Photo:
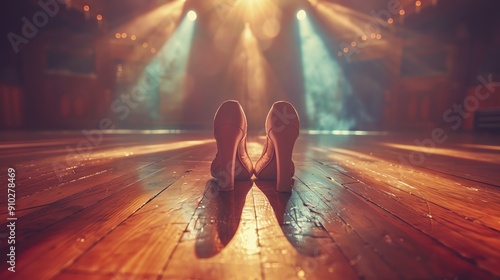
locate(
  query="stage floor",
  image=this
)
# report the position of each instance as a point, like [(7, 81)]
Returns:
[(142, 205)]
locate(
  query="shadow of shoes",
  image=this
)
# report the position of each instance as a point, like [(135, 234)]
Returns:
[(218, 216), (295, 219)]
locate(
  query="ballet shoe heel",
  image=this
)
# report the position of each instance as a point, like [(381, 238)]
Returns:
[(283, 140), (228, 137)]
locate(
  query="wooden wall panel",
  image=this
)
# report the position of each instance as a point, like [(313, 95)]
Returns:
[(490, 103), (11, 106)]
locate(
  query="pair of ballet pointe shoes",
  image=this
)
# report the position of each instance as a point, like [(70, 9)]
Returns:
[(232, 162)]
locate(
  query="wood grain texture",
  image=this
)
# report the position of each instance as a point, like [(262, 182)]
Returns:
[(144, 206)]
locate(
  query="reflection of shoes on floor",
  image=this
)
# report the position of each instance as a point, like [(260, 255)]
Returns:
[(282, 127), (231, 161)]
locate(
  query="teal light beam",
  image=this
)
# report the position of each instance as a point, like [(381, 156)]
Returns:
[(325, 85)]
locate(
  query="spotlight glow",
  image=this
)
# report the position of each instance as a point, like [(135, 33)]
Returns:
[(301, 15), (192, 15)]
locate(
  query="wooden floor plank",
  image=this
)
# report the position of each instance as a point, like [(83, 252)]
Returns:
[(468, 239), (151, 234), (59, 245), (473, 167), (98, 164), (82, 275), (464, 162), (356, 211), (40, 218), (406, 250), (83, 184), (50, 191), (448, 193), (293, 244), (362, 257), (220, 235)]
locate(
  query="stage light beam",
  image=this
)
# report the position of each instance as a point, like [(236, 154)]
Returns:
[(250, 77), (163, 84), (327, 93)]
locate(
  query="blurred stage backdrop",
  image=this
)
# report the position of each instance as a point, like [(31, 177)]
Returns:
[(345, 65)]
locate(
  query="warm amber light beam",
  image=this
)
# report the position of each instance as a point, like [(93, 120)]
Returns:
[(114, 153), (155, 26), (475, 156), (264, 16), (149, 20), (348, 24), (341, 19), (250, 67), (255, 11), (484, 147), (152, 149)]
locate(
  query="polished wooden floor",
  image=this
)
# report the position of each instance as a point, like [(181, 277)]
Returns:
[(142, 205)]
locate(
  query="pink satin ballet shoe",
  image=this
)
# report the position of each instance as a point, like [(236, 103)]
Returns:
[(231, 161), (275, 163)]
